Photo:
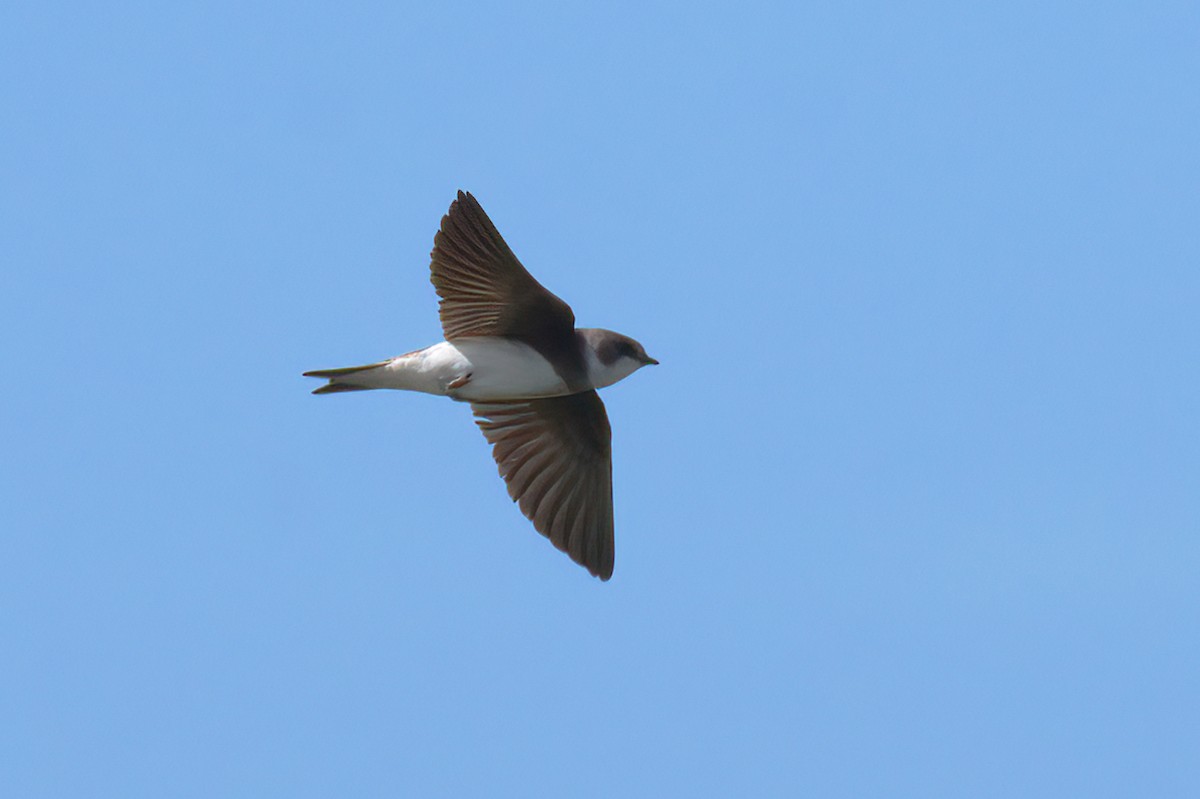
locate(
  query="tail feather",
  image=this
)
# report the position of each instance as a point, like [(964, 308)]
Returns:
[(345, 370), (337, 388), (337, 378)]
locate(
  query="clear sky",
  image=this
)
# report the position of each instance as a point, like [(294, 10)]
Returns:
[(911, 507)]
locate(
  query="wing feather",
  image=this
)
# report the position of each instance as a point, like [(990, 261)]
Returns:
[(555, 454), (484, 289)]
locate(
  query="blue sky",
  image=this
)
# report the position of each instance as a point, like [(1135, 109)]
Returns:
[(910, 508)]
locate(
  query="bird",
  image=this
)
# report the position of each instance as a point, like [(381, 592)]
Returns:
[(512, 351)]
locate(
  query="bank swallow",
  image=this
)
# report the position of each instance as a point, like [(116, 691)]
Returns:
[(512, 350)]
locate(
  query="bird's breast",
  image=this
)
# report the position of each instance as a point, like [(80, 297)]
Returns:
[(504, 369)]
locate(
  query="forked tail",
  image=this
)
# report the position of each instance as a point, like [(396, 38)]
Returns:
[(343, 379)]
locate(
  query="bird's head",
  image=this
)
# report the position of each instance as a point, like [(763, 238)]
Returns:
[(612, 356)]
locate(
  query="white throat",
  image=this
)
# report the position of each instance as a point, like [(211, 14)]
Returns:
[(601, 374)]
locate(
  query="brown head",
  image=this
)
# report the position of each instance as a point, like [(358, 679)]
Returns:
[(611, 356)]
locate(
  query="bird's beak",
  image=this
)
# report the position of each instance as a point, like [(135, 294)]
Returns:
[(650, 361)]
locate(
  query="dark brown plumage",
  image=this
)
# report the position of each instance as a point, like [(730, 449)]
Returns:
[(485, 291), (555, 453)]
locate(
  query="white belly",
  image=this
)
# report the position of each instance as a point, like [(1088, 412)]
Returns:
[(498, 369), (505, 369)]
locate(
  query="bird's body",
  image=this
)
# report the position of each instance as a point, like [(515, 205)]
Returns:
[(479, 369), (513, 352), (484, 368)]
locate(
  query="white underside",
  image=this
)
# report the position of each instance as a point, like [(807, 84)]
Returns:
[(480, 369)]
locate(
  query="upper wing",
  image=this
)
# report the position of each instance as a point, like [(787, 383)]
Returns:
[(484, 289), (556, 456)]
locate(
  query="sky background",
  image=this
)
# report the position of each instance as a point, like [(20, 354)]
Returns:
[(911, 507)]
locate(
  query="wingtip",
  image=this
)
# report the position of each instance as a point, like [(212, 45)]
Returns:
[(602, 567), (467, 199), (464, 198)]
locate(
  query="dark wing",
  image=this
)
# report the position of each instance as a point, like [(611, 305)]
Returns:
[(484, 289), (556, 456)]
